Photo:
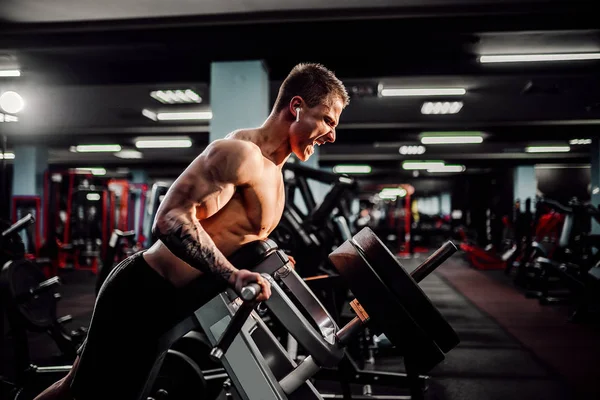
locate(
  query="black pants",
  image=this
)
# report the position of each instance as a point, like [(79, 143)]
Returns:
[(134, 308)]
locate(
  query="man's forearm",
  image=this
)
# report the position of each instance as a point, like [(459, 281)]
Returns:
[(190, 242)]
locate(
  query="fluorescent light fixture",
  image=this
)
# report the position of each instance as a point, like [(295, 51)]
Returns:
[(352, 169), (8, 73), (11, 102), (451, 138), (93, 171), (548, 149), (509, 58), (95, 148), (457, 214), (184, 96), (580, 141), (393, 192), (403, 92), (562, 166), (129, 154), (7, 156), (93, 196), (149, 114), (447, 168), (387, 196), (412, 165), (163, 142), (596, 190), (439, 107), (184, 116), (8, 118), (404, 150)]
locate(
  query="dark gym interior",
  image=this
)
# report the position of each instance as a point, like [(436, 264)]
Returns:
[(445, 246)]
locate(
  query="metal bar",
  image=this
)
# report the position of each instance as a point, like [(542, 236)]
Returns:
[(434, 261)]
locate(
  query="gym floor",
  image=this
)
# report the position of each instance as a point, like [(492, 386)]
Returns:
[(511, 347)]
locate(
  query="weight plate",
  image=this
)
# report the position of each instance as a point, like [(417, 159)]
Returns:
[(197, 346), (179, 378), (18, 278), (386, 312), (407, 290)]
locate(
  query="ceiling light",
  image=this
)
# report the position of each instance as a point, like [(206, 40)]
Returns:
[(93, 196), (562, 166), (184, 116), (422, 91), (352, 169), (7, 156), (93, 171), (451, 138), (410, 165), (580, 141), (95, 148), (547, 149), (164, 142), (446, 107), (149, 114), (392, 192), (129, 154), (404, 150), (447, 168), (507, 58), (8, 118), (6, 73), (185, 96), (386, 196), (11, 102)]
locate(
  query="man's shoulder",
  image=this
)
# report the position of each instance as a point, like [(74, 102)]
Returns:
[(240, 147), (239, 154)]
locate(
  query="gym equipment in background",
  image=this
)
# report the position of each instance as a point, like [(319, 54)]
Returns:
[(29, 301), (310, 235)]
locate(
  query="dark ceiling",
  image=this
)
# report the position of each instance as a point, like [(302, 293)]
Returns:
[(87, 72)]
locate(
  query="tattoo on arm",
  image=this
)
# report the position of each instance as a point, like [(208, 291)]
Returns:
[(191, 243)]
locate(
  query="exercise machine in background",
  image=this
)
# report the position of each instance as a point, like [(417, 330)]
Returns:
[(311, 233)]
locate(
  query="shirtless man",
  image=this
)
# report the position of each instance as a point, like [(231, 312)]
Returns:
[(230, 195)]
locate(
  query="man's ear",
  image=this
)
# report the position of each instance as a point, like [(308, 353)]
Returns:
[(296, 105)]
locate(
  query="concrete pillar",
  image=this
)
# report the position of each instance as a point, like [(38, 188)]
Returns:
[(29, 166), (239, 96), (525, 184), (445, 204)]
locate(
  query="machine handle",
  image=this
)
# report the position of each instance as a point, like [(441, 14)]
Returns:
[(20, 224), (40, 288), (248, 294)]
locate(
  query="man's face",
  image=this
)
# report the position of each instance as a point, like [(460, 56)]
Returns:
[(315, 126)]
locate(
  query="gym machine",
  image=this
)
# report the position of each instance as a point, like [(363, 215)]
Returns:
[(78, 207), (29, 301), (120, 246), (311, 236), (388, 300), (157, 193)]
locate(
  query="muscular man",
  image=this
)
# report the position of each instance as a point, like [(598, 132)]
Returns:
[(230, 195)]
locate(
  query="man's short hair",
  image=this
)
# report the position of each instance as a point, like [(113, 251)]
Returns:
[(314, 83)]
